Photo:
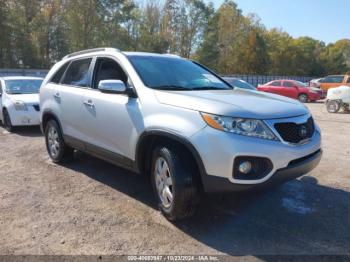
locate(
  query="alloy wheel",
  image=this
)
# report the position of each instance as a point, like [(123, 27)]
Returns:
[(53, 142), (164, 182)]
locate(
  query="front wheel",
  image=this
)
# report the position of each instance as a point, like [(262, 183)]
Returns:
[(333, 106), (303, 98), (174, 182), (57, 149), (7, 121)]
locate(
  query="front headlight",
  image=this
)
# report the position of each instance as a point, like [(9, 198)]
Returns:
[(20, 106), (240, 126)]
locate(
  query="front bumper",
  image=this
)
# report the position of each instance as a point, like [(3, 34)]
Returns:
[(295, 169), (218, 151), (24, 118)]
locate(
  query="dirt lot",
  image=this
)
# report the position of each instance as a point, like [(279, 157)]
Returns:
[(92, 207)]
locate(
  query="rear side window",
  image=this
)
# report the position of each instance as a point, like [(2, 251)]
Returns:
[(276, 83), (78, 73), (333, 79), (58, 76)]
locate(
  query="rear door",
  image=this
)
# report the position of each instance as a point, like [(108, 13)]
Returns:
[(76, 81)]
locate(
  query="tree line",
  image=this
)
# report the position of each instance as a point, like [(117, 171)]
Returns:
[(37, 33)]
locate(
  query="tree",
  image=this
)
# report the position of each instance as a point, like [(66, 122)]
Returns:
[(6, 56)]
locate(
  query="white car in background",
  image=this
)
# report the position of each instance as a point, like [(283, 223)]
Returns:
[(19, 101), (316, 82)]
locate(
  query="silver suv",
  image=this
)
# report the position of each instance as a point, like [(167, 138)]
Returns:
[(177, 121)]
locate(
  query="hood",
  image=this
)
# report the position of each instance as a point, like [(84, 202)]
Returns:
[(236, 103), (26, 98)]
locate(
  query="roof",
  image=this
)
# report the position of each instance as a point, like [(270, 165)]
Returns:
[(111, 49), (21, 78), (150, 54)]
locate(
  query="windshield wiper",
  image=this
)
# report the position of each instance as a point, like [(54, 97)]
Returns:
[(210, 88), (171, 88)]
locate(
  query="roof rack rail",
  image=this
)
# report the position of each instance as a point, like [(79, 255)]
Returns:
[(87, 51)]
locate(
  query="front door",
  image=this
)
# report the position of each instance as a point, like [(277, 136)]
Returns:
[(112, 119)]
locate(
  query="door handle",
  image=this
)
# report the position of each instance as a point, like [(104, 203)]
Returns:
[(57, 95), (89, 103)]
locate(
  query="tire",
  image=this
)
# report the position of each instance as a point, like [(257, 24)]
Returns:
[(303, 98), (7, 121), (333, 106), (58, 151), (183, 185)]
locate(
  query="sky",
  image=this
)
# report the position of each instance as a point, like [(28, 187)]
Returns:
[(324, 20)]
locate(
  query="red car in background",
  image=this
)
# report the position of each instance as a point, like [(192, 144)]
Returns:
[(293, 89)]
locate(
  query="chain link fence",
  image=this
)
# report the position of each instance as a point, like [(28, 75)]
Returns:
[(256, 80), (23, 72)]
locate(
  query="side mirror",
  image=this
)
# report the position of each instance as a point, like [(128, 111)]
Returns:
[(112, 86)]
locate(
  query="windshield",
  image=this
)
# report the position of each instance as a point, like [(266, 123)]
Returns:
[(23, 86), (240, 83), (301, 84), (168, 73)]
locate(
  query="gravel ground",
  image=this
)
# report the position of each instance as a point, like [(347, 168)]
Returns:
[(91, 207)]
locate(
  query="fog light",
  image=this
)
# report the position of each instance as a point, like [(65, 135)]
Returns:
[(245, 167)]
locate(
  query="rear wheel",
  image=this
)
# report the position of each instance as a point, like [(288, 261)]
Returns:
[(174, 182), (303, 98), (7, 121), (333, 106), (57, 149)]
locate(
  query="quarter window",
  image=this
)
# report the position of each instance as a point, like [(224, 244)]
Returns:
[(58, 76), (78, 73)]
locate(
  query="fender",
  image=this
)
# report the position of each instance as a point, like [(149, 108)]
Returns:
[(173, 136), (49, 112)]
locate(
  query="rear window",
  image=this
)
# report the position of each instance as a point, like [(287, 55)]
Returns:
[(275, 83), (78, 73)]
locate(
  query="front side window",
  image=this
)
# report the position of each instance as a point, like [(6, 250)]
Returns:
[(78, 73), (168, 73), (108, 69), (288, 84), (23, 86)]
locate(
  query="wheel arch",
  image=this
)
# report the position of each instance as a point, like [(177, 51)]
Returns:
[(149, 139), (46, 117)]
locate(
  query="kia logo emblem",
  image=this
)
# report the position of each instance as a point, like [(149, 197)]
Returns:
[(303, 131)]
